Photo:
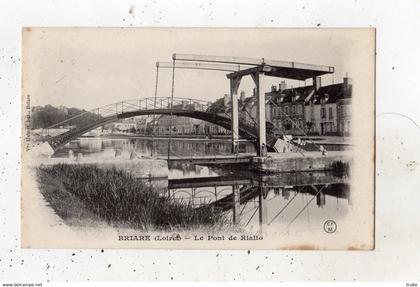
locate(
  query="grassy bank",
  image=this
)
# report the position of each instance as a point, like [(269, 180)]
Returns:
[(117, 198)]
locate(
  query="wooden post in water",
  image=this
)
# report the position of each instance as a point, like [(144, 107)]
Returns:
[(236, 203), (262, 206)]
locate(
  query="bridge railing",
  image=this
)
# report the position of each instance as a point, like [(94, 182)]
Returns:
[(115, 109), (79, 124)]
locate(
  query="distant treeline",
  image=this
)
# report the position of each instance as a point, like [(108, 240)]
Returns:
[(46, 116)]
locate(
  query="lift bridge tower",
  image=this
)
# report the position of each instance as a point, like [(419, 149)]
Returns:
[(239, 67)]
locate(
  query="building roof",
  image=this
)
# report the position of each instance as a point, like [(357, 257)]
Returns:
[(331, 93), (305, 94), (301, 94)]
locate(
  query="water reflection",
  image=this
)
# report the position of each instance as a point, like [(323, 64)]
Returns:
[(254, 201), (148, 146), (299, 200)]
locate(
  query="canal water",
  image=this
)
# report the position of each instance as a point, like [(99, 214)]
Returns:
[(286, 202), (150, 146)]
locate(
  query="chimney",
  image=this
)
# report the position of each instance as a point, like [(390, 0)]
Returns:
[(242, 97), (226, 100), (282, 86), (273, 88), (316, 83), (347, 86)]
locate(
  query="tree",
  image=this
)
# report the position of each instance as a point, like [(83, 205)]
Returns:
[(217, 107), (46, 116)]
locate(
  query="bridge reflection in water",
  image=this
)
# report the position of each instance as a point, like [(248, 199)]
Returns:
[(259, 201), (301, 200)]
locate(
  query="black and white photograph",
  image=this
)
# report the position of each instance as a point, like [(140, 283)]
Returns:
[(209, 142), (198, 138)]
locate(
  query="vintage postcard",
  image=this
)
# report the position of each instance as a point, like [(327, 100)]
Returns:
[(198, 138)]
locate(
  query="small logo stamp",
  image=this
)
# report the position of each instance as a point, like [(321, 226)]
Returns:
[(330, 226)]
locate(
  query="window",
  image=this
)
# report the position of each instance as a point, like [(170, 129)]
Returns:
[(330, 113), (322, 113), (286, 110), (299, 109), (293, 110)]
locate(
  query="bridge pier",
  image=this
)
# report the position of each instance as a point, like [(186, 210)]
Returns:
[(262, 136), (256, 73)]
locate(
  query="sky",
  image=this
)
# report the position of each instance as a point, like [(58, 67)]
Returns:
[(91, 67)]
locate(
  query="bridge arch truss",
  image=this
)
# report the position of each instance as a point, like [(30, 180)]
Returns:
[(181, 107)]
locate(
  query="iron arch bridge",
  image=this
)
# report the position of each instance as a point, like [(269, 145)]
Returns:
[(181, 107)]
